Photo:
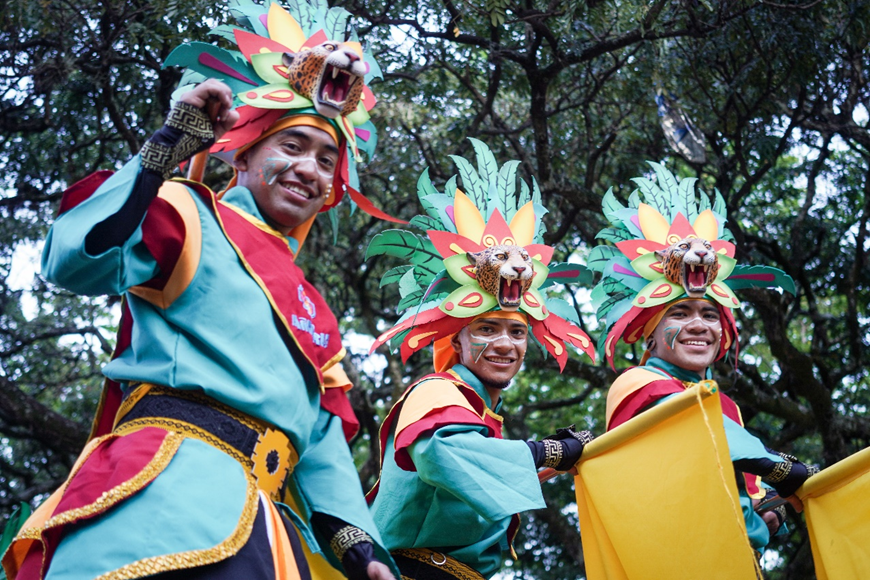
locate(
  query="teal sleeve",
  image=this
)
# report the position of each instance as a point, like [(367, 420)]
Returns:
[(327, 482), (65, 261), (743, 445), (495, 477)]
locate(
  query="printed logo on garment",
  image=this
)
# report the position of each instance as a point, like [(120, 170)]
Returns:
[(321, 339), (307, 304)]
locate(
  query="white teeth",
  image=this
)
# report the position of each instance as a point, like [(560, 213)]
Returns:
[(334, 72)]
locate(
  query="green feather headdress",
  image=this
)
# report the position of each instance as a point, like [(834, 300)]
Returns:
[(635, 287), (439, 290)]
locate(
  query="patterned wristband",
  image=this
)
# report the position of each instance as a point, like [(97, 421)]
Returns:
[(552, 453), (196, 134), (346, 538), (779, 473)]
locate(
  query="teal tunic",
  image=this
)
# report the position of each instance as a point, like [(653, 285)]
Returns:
[(219, 337), (461, 497)]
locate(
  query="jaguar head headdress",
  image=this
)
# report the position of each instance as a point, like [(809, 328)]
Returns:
[(667, 247), (482, 250), (291, 62)]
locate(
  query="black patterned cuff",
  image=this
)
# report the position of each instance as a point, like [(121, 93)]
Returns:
[(553, 452), (779, 472), (187, 131), (347, 537)]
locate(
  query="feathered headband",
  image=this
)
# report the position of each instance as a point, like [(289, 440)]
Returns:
[(668, 247), (296, 62), (483, 251)]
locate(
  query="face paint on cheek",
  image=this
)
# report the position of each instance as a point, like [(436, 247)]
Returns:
[(476, 349), (670, 335), (273, 167)]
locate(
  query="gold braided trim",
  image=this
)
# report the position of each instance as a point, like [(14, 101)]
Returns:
[(442, 561), (779, 473), (191, 120), (193, 558), (186, 430), (552, 453), (123, 490), (347, 537)]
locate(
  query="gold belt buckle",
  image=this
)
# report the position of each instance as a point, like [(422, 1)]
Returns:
[(271, 459)]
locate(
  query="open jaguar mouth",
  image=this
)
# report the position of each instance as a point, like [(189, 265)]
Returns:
[(336, 85), (696, 278), (510, 293)]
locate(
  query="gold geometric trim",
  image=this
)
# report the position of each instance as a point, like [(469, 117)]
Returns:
[(185, 429), (441, 561), (193, 558)]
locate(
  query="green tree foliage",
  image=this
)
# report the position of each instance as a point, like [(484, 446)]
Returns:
[(779, 91)]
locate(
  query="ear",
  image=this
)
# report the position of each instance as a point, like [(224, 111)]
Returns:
[(473, 256), (241, 163), (287, 58), (456, 343), (660, 254)]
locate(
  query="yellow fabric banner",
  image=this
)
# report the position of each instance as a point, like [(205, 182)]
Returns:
[(838, 518), (657, 496)]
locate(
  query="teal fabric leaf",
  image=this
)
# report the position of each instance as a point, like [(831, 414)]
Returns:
[(398, 243), (615, 235), (247, 14), (506, 189), (599, 256), (760, 277), (634, 199), (474, 187), (685, 199), (705, 203), (375, 71), (610, 206), (425, 222), (487, 167), (302, 11), (188, 55), (563, 309), (411, 299), (567, 273), (653, 195), (393, 275), (719, 206), (407, 284), (667, 185), (525, 194), (536, 194), (427, 260), (225, 31), (439, 204)]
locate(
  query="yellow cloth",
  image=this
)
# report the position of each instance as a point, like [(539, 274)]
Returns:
[(838, 518), (657, 496)]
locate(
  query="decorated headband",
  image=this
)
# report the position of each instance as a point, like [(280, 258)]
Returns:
[(482, 251), (290, 63), (668, 247)]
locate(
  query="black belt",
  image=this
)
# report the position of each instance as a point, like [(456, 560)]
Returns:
[(425, 564), (260, 448)]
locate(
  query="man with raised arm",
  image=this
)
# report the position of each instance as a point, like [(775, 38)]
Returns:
[(219, 446), (669, 282), (450, 486)]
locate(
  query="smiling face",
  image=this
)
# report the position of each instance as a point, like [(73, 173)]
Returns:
[(492, 349), (290, 174), (688, 336)]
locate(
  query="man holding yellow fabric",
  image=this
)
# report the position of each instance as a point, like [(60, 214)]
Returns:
[(450, 485), (670, 282)]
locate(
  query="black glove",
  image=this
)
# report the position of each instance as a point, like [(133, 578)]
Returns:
[(350, 544), (785, 476), (560, 451)]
